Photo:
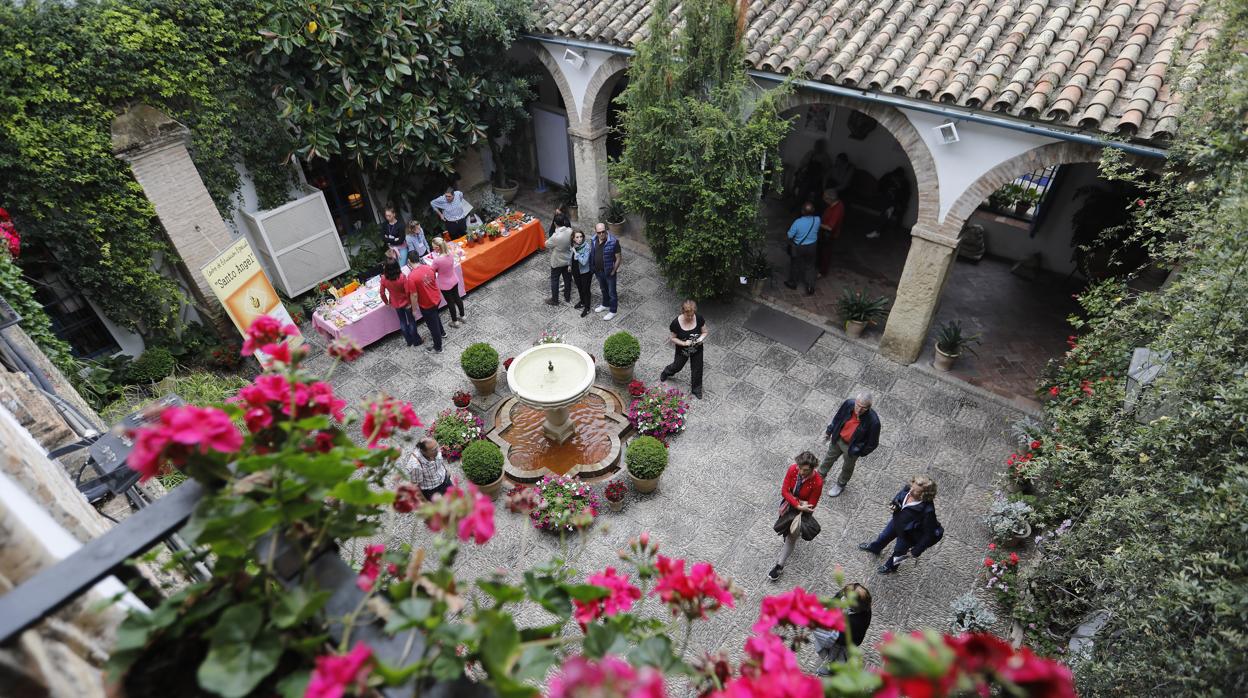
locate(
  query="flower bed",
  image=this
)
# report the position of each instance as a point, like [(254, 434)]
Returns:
[(548, 337), (659, 413), (455, 429), (566, 504)]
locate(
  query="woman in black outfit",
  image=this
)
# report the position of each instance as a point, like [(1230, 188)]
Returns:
[(688, 334), (831, 643)]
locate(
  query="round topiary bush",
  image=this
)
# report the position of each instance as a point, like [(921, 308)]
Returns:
[(483, 462), (646, 457), (152, 365), (479, 361), (621, 349)]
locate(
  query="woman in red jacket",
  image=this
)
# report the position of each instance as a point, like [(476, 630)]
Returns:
[(801, 491)]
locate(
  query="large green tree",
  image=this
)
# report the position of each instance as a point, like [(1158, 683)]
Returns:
[(699, 143)]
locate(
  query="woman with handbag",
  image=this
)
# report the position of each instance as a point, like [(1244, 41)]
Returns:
[(688, 332), (801, 491)]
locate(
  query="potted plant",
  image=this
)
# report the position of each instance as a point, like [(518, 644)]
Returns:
[(646, 458), (950, 341), (480, 364), (614, 493), (621, 350), (970, 615), (567, 198), (482, 461), (758, 273), (491, 206), (1024, 199), (614, 214), (1000, 200), (454, 429), (461, 398), (1009, 522), (857, 310)]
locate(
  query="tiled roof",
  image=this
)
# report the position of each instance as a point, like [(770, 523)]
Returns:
[(1101, 65)]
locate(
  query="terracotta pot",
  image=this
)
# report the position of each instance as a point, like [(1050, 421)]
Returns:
[(615, 507), (462, 403), (1018, 541), (644, 486), (491, 490), (508, 192), (943, 361), (854, 328), (621, 374), (485, 386), (616, 228)]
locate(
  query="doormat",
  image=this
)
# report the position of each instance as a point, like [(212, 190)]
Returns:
[(783, 328)]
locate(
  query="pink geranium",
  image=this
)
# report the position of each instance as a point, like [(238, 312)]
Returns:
[(266, 329), (622, 594), (464, 509), (770, 671), (609, 677), (371, 568), (344, 349), (478, 525), (335, 674), (387, 416), (692, 594), (271, 394), (800, 608), (181, 432), (406, 498)]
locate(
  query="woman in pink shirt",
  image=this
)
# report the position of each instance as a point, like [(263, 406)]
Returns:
[(394, 294), (448, 281)]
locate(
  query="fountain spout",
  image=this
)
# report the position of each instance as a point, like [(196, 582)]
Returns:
[(550, 365)]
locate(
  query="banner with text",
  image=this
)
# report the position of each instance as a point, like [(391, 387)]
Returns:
[(242, 286)]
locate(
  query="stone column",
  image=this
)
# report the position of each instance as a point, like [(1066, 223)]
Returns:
[(155, 147), (589, 153), (922, 280)]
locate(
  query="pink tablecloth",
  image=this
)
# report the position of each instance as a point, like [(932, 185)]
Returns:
[(376, 323)]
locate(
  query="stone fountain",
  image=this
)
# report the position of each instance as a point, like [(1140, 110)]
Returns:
[(552, 378)]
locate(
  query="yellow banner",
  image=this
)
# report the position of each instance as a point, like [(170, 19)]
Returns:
[(242, 286)]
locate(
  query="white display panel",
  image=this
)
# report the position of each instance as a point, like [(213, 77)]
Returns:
[(554, 155), (298, 243)]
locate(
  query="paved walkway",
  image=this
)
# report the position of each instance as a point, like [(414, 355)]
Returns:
[(763, 404)]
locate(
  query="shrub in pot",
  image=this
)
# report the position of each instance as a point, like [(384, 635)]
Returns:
[(1009, 522), (482, 461), (646, 459), (152, 365), (857, 310), (614, 214), (621, 350), (950, 341), (480, 364)]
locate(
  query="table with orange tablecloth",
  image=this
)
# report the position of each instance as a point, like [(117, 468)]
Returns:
[(486, 260)]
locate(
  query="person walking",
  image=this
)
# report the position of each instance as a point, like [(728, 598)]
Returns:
[(829, 228), (453, 210), (582, 271), (803, 236), (913, 524), (427, 469), (833, 645), (605, 258), (392, 234), (416, 243), (422, 286), (448, 280), (394, 294), (560, 246), (688, 332), (854, 433), (801, 491)]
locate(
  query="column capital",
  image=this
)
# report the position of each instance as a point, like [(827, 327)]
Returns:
[(934, 237), (144, 129), (587, 133)]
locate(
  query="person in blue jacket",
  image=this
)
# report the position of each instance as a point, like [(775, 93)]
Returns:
[(853, 434), (913, 524)]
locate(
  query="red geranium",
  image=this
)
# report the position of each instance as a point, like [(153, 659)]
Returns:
[(620, 597), (387, 416), (266, 329), (799, 608), (692, 594), (181, 432)]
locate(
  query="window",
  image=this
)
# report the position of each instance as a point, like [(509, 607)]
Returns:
[(73, 318), (1022, 197)]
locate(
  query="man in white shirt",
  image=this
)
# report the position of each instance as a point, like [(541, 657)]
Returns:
[(452, 209), (427, 468)]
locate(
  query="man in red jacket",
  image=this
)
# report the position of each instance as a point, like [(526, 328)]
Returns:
[(422, 285), (801, 491), (829, 229)]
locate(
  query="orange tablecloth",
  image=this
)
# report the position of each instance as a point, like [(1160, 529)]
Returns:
[(486, 260)]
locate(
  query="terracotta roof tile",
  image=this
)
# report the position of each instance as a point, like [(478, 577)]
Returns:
[(1103, 65)]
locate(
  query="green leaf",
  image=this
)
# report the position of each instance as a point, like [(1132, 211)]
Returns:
[(602, 640), (358, 492), (294, 685), (534, 663), (239, 659), (409, 613), (586, 592), (325, 470), (297, 605), (501, 592), (500, 642), (657, 652)]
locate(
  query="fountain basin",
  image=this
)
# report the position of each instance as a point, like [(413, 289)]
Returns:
[(552, 377), (592, 453)]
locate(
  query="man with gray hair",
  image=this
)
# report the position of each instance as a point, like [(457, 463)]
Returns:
[(427, 468), (853, 433)]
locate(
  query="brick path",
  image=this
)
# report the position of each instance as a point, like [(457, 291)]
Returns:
[(718, 499)]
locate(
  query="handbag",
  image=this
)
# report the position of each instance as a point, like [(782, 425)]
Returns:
[(789, 522)]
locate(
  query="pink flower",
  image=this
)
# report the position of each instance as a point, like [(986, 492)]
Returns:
[(620, 598), (372, 567), (609, 677), (181, 432), (692, 594), (479, 524), (334, 674), (467, 511), (266, 329), (385, 417), (770, 671), (797, 607), (1013, 558), (344, 349), (407, 498)]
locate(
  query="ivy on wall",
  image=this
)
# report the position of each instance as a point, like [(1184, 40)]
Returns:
[(35, 322)]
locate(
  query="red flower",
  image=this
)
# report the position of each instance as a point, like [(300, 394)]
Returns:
[(385, 417), (372, 567), (1140, 203), (266, 329), (322, 442), (636, 388), (464, 509), (407, 498), (335, 674), (181, 432), (1037, 676), (692, 594), (770, 671), (1086, 386), (622, 594), (522, 500), (1054, 391), (344, 349), (478, 525), (1013, 558), (797, 607), (1034, 445), (989, 562)]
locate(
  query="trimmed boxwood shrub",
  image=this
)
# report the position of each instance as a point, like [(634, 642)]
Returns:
[(621, 349), (483, 462), (646, 457), (152, 365), (479, 360)]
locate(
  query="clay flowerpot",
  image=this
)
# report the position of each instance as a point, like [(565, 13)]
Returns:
[(485, 386), (644, 486), (508, 193), (1019, 540), (854, 328), (615, 507), (943, 361), (616, 228), (622, 375), (492, 489)]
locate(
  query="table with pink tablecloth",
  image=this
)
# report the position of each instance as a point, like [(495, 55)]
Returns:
[(362, 317)]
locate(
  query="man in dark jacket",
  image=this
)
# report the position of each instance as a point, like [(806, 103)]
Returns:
[(913, 524), (853, 433)]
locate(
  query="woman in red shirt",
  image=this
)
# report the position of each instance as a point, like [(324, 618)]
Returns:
[(801, 491), (394, 294)]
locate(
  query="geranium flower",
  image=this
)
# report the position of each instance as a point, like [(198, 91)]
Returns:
[(335, 674), (371, 568), (621, 597), (266, 329), (467, 511), (522, 500), (1038, 677), (1054, 391), (609, 677), (181, 432), (797, 607), (1013, 558), (344, 350), (385, 417), (1034, 445), (692, 594), (770, 671), (407, 497), (479, 524)]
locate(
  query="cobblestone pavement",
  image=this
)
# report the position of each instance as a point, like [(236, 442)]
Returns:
[(763, 404)]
